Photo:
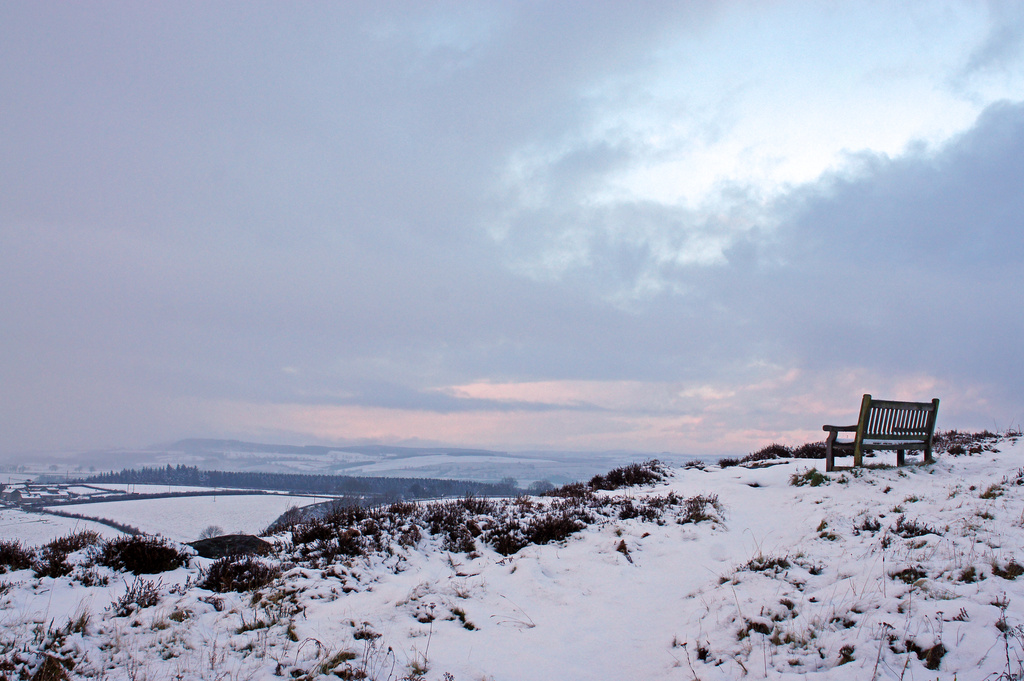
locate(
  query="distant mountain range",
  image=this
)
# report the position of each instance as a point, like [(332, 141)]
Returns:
[(201, 445), (484, 465), (481, 465)]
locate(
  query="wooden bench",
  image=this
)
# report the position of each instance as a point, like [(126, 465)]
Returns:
[(884, 424)]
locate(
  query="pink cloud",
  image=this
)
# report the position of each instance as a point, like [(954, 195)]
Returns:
[(784, 405)]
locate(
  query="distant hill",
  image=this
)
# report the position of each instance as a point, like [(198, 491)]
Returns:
[(376, 460), (205, 445), (362, 460)]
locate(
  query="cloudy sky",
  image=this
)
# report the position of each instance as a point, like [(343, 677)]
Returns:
[(696, 227)]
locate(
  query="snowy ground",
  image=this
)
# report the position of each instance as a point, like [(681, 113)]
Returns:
[(39, 528), (879, 574), (183, 518)]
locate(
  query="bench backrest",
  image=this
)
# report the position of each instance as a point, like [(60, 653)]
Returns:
[(896, 421)]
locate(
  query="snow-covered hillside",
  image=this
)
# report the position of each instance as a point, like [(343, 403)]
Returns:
[(910, 573)]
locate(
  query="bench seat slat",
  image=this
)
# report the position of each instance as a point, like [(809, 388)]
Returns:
[(894, 436), (848, 446)]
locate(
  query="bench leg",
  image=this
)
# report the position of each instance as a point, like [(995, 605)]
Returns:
[(900, 458), (829, 456)]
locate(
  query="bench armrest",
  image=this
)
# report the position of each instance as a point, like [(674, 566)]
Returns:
[(841, 429)]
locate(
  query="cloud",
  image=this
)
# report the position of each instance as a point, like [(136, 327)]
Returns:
[(362, 221), (1001, 49), (909, 265)]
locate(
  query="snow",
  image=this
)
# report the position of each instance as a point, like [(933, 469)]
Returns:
[(183, 518), (799, 562), (32, 529)]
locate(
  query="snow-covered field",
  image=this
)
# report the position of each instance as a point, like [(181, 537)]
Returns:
[(38, 528), (911, 573), (183, 518)]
